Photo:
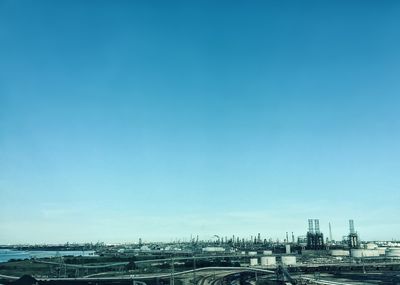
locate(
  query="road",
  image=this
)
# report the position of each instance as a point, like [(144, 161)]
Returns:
[(8, 277), (223, 271), (166, 275), (327, 280)]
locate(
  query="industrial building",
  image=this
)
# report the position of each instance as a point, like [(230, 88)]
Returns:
[(315, 239), (353, 236)]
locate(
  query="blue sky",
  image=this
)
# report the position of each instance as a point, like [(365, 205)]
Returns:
[(162, 119)]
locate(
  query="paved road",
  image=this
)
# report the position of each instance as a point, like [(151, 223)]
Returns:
[(116, 264), (325, 280), (166, 275), (212, 278), (8, 277)]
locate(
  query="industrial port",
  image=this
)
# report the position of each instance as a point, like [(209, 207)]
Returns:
[(310, 258)]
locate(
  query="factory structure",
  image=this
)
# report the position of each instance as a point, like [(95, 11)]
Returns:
[(313, 243), (310, 253), (353, 236), (315, 239), (313, 251), (313, 247)]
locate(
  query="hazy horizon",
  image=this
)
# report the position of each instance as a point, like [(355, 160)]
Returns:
[(162, 119)]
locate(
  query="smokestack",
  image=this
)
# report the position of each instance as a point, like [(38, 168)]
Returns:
[(310, 226), (316, 222), (351, 225)]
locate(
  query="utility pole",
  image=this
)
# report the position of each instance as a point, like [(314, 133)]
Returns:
[(172, 281), (194, 269)]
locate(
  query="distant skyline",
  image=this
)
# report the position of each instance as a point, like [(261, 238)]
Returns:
[(162, 119)]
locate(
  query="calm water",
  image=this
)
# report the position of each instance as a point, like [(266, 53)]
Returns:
[(7, 254)]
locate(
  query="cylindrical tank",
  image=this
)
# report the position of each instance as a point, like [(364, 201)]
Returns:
[(213, 249), (340, 252), (370, 245), (381, 250), (393, 252), (358, 253), (373, 252), (253, 261), (289, 260), (367, 252), (268, 260), (252, 253)]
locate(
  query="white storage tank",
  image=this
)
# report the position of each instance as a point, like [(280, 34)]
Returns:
[(289, 260), (393, 252), (381, 250), (267, 252), (358, 253), (367, 252), (253, 261), (252, 253), (213, 249), (373, 252), (339, 252), (268, 260)]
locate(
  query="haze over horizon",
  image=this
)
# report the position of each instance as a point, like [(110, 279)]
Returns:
[(162, 119)]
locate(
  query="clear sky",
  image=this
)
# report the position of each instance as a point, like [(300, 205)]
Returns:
[(162, 119)]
